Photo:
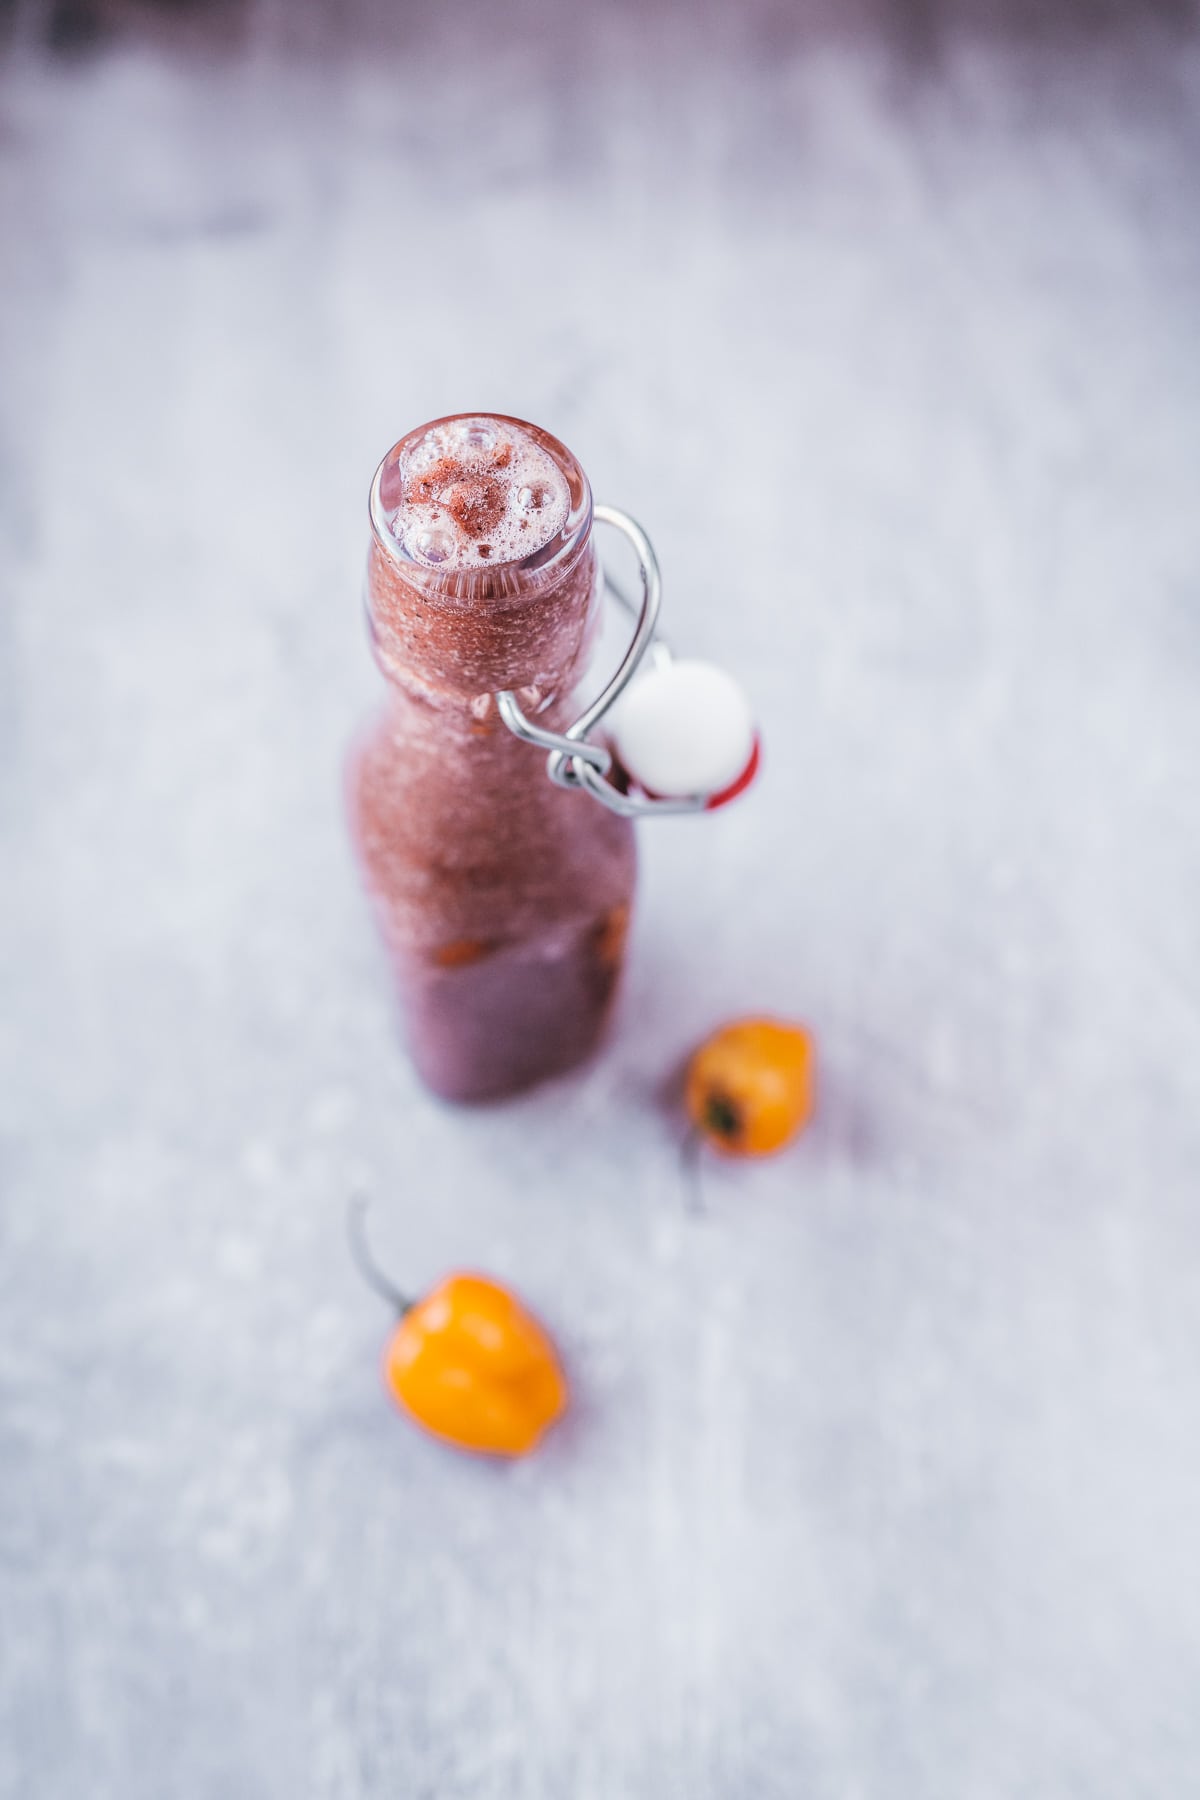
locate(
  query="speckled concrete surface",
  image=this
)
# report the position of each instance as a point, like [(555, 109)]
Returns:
[(884, 1479)]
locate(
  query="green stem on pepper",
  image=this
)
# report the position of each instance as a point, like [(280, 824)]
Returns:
[(364, 1261)]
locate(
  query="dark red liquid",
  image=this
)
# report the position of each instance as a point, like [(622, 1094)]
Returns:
[(506, 922), (504, 899)]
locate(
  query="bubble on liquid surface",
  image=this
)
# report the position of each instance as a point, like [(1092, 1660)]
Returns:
[(532, 497), (479, 435), (434, 444), (434, 546)]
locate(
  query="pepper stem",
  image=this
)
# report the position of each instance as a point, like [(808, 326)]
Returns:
[(689, 1153), (364, 1261), (722, 1116)]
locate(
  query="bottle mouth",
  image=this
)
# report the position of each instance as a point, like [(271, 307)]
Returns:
[(453, 500)]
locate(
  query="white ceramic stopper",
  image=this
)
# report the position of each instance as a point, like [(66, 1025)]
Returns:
[(684, 728)]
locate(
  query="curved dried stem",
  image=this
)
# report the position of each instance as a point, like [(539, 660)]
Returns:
[(364, 1261)]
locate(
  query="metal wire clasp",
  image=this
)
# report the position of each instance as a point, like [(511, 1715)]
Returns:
[(574, 761)]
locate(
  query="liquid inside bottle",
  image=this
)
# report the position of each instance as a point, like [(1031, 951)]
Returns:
[(504, 900)]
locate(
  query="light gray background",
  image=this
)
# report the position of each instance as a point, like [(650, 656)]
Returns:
[(883, 1481)]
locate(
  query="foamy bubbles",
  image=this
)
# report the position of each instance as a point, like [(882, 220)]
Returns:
[(434, 546), (532, 498), (476, 492), (479, 434)]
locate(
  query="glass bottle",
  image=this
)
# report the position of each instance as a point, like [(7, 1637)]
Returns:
[(504, 899)]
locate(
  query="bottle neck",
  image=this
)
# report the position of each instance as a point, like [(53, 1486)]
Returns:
[(455, 651)]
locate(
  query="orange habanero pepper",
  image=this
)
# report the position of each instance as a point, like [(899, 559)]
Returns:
[(469, 1362), (751, 1086)]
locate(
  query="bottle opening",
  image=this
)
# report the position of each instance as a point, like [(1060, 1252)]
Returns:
[(477, 493)]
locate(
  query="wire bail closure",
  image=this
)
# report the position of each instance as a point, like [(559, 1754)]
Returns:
[(573, 760)]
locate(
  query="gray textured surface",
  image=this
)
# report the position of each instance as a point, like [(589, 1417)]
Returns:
[(885, 1480)]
